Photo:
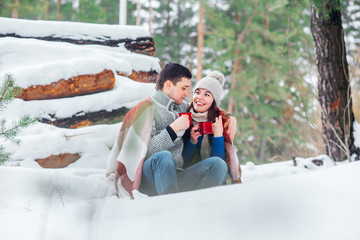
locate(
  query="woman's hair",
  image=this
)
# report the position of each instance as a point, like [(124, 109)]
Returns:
[(174, 72), (212, 112)]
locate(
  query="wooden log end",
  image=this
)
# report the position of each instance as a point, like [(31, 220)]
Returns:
[(84, 123), (145, 77), (141, 45), (87, 119), (58, 161), (75, 86)]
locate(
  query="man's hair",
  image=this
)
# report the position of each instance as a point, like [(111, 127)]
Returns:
[(174, 72)]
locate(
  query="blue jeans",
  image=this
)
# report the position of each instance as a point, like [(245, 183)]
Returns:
[(160, 176)]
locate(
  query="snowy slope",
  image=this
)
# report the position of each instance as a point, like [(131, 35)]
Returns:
[(79, 204)]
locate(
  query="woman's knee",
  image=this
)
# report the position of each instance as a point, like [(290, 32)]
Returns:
[(218, 163)]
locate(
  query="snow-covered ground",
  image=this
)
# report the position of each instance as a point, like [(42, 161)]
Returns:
[(275, 201)]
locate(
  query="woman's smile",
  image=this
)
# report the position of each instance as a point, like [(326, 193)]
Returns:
[(202, 100)]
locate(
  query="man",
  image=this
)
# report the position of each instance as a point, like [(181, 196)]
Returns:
[(148, 150)]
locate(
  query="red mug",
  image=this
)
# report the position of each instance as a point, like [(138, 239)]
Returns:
[(188, 114), (206, 128)]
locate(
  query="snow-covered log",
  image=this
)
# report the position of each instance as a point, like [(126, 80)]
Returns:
[(87, 109), (75, 86), (146, 77), (133, 38), (55, 61), (84, 119)]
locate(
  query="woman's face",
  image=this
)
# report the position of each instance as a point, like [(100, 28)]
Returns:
[(202, 100)]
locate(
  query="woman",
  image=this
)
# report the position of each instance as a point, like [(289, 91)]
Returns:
[(204, 108)]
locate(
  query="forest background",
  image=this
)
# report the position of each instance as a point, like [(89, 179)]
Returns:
[(264, 48)]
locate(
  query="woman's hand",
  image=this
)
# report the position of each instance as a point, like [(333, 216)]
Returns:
[(195, 134), (218, 127)]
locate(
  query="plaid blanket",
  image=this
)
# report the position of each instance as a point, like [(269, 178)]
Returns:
[(232, 160), (128, 153)]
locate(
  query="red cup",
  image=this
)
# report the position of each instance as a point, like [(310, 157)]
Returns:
[(188, 114), (206, 128)]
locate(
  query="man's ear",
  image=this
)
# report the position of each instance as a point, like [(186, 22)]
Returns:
[(167, 84)]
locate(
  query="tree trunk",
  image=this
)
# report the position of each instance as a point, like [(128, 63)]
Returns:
[(15, 10), (237, 63), (200, 42), (122, 12), (58, 14), (333, 85), (47, 9), (236, 70), (262, 150), (168, 18), (138, 8), (266, 21), (150, 16)]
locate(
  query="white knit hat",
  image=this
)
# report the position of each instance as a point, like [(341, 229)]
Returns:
[(214, 83)]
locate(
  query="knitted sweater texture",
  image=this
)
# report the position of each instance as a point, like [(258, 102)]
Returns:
[(166, 111)]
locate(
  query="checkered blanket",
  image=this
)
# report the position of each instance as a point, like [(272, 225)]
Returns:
[(129, 150)]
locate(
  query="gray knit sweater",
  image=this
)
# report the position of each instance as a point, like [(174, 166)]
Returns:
[(166, 111)]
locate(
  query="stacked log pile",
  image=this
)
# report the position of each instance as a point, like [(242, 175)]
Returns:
[(114, 50)]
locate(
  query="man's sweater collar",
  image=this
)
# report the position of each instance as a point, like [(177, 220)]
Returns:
[(164, 100)]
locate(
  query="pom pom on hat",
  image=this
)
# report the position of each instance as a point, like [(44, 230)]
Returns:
[(218, 76), (214, 83)]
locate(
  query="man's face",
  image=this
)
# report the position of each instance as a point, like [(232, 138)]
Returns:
[(179, 91)]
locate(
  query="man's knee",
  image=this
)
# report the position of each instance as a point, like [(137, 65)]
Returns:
[(165, 159)]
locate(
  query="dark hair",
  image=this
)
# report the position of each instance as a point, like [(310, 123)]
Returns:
[(213, 111), (174, 72)]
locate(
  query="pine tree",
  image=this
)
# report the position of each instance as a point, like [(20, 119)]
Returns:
[(8, 91), (249, 41), (90, 11), (175, 31)]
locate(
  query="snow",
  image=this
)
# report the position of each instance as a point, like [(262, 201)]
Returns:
[(37, 62), (276, 201), (70, 30), (79, 203), (357, 133)]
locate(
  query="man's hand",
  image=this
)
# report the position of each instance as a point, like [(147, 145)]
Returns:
[(195, 134), (181, 123)]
